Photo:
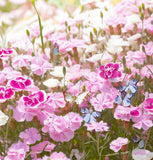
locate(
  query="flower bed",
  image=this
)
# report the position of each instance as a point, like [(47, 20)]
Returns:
[(76, 83)]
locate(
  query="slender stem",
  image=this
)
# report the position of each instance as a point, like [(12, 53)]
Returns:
[(40, 27), (148, 136)]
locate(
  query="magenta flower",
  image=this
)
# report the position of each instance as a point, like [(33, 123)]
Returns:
[(20, 83), (5, 94), (5, 51), (116, 145), (35, 99), (110, 71), (30, 136)]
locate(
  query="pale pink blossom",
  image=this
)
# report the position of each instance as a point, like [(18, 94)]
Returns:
[(116, 144), (74, 120), (54, 101), (97, 126), (17, 151), (122, 113), (58, 128), (38, 148), (30, 136), (39, 66), (21, 61), (142, 154), (56, 156), (102, 101), (147, 71)]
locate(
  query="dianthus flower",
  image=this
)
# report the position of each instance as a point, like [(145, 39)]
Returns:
[(116, 144), (110, 71)]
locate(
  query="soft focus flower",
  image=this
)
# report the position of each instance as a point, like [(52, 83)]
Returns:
[(102, 101), (7, 51), (56, 156), (17, 151), (58, 128), (30, 136), (142, 154), (51, 83), (97, 126), (3, 118), (115, 44), (39, 65), (122, 113), (116, 145)]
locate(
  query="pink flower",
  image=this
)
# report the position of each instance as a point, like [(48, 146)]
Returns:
[(55, 100), (149, 105), (34, 99), (39, 65), (38, 148), (135, 57), (46, 145), (126, 8), (21, 61), (10, 74), (148, 47), (74, 120), (56, 156), (122, 113), (97, 126), (148, 24), (58, 128), (30, 136), (146, 71), (17, 151), (102, 101), (110, 71), (5, 93), (142, 154), (59, 156), (116, 145), (20, 83), (7, 51)]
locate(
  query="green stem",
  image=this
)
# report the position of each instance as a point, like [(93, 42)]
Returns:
[(148, 136), (40, 27)]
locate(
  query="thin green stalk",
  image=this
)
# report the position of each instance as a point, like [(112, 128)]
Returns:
[(148, 136), (40, 25)]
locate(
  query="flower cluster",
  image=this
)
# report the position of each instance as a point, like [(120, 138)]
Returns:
[(76, 84)]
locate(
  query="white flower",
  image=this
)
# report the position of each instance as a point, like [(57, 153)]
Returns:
[(51, 83), (115, 44), (3, 118), (142, 154), (58, 71), (133, 19)]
